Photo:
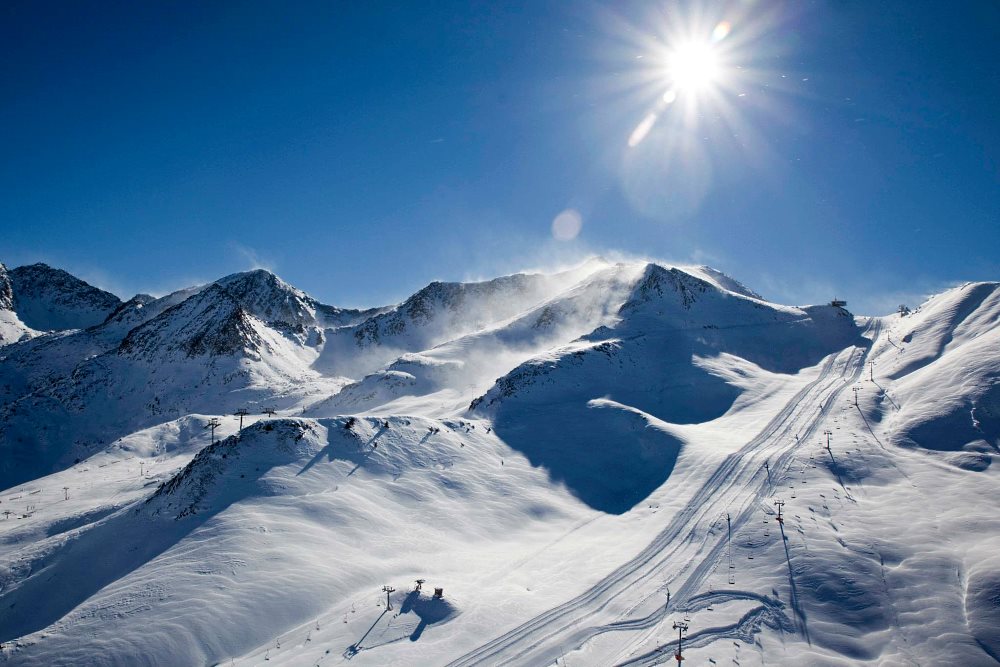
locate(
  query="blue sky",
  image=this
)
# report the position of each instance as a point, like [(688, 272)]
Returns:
[(361, 150)]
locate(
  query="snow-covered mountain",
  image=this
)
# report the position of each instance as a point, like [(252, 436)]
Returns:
[(47, 299), (194, 349), (274, 301), (438, 313), (579, 460)]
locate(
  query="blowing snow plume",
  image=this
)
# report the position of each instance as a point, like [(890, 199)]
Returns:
[(596, 413)]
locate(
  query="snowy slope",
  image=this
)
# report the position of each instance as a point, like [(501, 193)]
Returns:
[(34, 365), (660, 360), (90, 387), (566, 456), (946, 380)]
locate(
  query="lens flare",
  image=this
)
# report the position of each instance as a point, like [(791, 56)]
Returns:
[(641, 130), (566, 226), (721, 31)]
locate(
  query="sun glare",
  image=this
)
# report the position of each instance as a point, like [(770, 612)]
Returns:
[(696, 71), (693, 67), (693, 70)]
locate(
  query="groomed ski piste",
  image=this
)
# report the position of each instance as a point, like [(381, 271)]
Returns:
[(586, 463)]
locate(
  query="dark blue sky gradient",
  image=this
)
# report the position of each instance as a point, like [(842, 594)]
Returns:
[(363, 149)]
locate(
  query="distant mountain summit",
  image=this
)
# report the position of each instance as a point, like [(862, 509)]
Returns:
[(444, 306), (272, 300), (49, 299), (211, 323)]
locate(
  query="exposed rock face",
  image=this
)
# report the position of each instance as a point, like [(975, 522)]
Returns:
[(277, 303), (210, 323), (49, 299), (12, 329), (6, 291)]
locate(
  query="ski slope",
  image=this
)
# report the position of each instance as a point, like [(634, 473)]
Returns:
[(579, 461)]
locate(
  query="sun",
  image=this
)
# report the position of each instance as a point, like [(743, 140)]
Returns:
[(693, 67)]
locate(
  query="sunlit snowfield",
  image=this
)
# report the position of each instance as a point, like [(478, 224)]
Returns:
[(580, 460)]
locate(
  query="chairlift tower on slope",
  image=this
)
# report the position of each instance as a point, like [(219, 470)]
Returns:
[(681, 627), (241, 413), (388, 602), (779, 504), (213, 424)]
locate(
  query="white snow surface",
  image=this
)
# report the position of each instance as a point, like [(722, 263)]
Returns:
[(579, 461)]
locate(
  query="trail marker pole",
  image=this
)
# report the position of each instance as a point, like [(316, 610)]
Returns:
[(681, 627), (141, 464), (388, 602), (241, 413), (213, 424)]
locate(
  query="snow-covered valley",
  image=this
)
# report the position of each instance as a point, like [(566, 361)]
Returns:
[(581, 461)]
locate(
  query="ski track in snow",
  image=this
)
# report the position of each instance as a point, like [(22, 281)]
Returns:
[(545, 638)]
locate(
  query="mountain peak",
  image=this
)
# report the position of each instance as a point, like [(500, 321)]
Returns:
[(212, 323), (659, 282), (724, 281), (272, 300), (260, 277), (453, 306), (46, 298)]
